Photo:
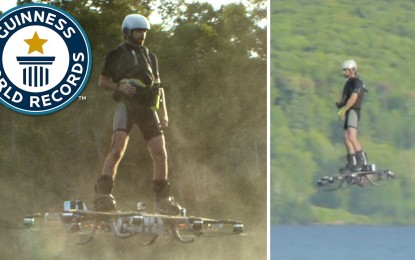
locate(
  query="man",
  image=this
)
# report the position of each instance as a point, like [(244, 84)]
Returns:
[(131, 71), (350, 106)]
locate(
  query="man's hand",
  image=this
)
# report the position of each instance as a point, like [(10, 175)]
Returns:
[(135, 83), (129, 86), (342, 113)]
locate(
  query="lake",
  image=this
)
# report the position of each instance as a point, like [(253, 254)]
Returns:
[(342, 242)]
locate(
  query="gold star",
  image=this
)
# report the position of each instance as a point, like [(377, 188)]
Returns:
[(35, 43)]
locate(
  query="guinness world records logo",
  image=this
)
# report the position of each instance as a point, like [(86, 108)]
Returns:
[(45, 59)]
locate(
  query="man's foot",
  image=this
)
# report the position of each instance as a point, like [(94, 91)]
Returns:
[(164, 202), (169, 206), (104, 203), (352, 165)]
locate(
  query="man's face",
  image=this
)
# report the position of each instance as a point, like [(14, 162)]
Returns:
[(138, 36), (347, 73)]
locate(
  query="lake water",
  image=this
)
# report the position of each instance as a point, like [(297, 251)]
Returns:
[(342, 242)]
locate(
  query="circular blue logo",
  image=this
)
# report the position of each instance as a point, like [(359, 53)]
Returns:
[(45, 59)]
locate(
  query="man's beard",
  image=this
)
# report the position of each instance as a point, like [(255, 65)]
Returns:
[(137, 41)]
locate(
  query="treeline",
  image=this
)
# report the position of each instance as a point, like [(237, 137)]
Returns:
[(214, 64), (309, 41)]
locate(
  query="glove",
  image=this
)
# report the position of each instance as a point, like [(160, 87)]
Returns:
[(155, 102), (341, 113)]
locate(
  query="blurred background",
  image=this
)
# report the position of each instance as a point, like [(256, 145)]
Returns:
[(309, 41)]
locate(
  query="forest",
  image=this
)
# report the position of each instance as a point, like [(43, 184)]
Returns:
[(309, 40), (214, 63)]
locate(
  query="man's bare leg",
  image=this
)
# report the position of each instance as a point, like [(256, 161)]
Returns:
[(104, 201), (118, 147), (165, 203), (157, 148), (351, 133), (351, 152), (361, 158)]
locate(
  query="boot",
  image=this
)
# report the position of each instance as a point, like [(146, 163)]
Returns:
[(104, 201), (164, 203), (361, 159), (351, 165)]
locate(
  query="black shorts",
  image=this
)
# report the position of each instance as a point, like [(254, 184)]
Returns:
[(146, 119)]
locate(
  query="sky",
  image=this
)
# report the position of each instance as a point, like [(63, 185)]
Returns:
[(7, 4)]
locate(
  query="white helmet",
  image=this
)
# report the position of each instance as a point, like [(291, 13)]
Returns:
[(349, 64), (134, 21)]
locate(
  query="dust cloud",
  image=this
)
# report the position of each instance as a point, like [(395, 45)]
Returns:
[(51, 241), (199, 185), (222, 175)]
